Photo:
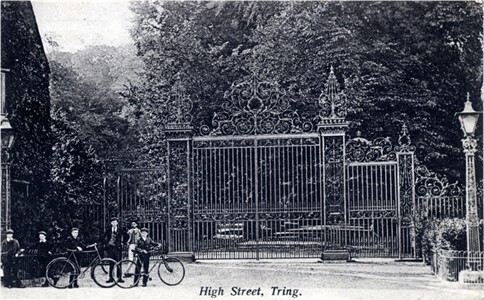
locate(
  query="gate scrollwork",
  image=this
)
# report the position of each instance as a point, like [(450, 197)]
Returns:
[(254, 106), (362, 150), (430, 184)]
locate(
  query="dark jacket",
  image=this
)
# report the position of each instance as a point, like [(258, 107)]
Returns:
[(145, 245), (9, 249), (72, 243), (44, 249), (118, 238)]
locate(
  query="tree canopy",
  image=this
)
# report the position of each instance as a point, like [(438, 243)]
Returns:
[(398, 62)]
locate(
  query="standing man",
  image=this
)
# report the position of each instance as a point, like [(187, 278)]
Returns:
[(10, 247), (133, 236), (143, 246), (44, 254), (74, 243), (113, 242)]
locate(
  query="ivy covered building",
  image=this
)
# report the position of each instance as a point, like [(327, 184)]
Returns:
[(27, 106)]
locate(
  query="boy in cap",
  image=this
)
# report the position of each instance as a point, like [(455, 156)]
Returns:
[(10, 247), (74, 243), (113, 243), (44, 254), (144, 244)]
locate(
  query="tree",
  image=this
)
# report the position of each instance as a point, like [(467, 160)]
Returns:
[(86, 85), (196, 46), (398, 63), (76, 176)]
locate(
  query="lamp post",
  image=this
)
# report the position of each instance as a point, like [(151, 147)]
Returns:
[(6, 139), (468, 119)]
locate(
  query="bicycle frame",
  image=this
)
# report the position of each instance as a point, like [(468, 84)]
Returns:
[(136, 259), (78, 266)]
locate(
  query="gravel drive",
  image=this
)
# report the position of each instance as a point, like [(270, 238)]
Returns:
[(279, 279)]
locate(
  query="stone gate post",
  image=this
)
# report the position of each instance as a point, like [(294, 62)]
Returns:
[(179, 137), (332, 131)]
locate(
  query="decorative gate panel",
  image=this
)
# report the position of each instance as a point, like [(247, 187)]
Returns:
[(257, 197)]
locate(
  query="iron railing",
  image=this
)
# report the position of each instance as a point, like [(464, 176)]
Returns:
[(447, 264)]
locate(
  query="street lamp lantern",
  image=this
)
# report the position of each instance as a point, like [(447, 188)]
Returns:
[(6, 133), (468, 118)]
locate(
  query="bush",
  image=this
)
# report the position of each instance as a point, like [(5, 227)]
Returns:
[(444, 234)]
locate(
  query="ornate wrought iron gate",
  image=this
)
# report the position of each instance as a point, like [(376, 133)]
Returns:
[(257, 197), (266, 182)]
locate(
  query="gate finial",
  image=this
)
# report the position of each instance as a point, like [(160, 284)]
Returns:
[(332, 102), (404, 140)]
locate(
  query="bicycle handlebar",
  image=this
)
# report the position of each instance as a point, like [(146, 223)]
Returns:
[(92, 245), (155, 249), (88, 246)]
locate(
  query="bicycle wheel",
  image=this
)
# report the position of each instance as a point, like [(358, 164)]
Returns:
[(60, 272), (128, 271), (171, 271), (100, 273)]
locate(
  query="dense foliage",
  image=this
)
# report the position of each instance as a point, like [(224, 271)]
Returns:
[(91, 127), (444, 234), (399, 62), (28, 109), (86, 86)]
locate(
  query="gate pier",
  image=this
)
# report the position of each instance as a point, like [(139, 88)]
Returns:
[(179, 136), (332, 129)]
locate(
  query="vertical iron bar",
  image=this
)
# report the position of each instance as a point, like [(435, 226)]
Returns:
[(190, 171), (256, 181)]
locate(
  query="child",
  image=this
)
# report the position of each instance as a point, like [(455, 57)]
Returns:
[(144, 245), (74, 243)]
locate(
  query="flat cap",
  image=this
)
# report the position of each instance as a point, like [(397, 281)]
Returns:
[(9, 231), (144, 229), (114, 219), (75, 228), (43, 232)]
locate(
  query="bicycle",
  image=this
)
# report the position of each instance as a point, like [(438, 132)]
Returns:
[(63, 271), (170, 270)]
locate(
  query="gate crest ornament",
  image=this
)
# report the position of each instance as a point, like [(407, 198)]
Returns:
[(332, 102), (404, 141), (254, 106)]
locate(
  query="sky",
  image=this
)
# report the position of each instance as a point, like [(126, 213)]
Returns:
[(77, 24)]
